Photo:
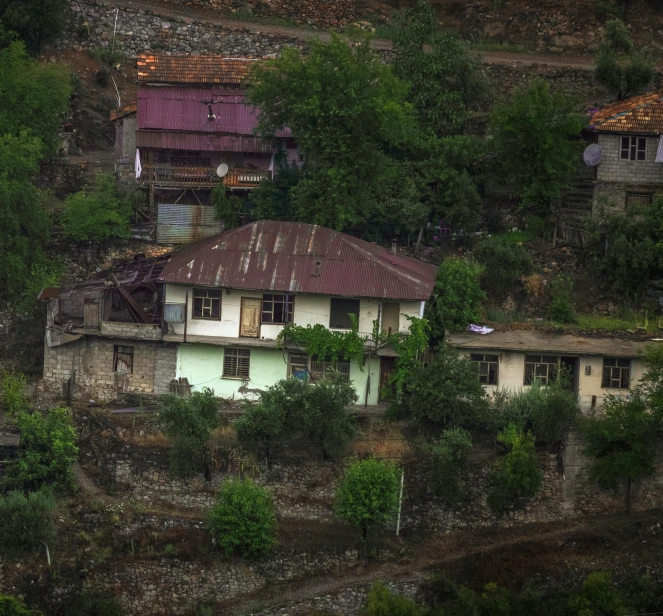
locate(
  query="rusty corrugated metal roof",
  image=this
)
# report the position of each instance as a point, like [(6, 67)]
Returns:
[(180, 140), (123, 111), (194, 69), (639, 114), (300, 258)]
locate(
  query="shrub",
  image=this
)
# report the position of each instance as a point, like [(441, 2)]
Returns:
[(598, 596), (451, 456), (189, 421), (102, 214), (504, 264), (457, 297), (560, 308), (367, 496), (25, 521), (9, 606), (12, 393), (47, 451), (382, 602), (242, 519), (227, 208), (37, 22), (517, 474)]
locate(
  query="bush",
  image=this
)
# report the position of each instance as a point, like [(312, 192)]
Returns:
[(104, 213), (242, 519), (12, 393), (457, 298), (517, 474), (598, 596), (560, 308), (451, 456), (37, 22), (382, 602), (367, 496), (47, 451), (504, 264), (189, 421), (9, 606), (25, 521)]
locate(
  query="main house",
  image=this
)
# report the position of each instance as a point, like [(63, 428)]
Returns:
[(630, 171), (209, 315)]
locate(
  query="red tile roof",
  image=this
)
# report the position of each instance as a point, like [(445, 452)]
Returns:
[(639, 114), (194, 69), (123, 111), (300, 258)]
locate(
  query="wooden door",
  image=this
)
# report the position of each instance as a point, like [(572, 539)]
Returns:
[(387, 391), (390, 316), (249, 324), (91, 314)]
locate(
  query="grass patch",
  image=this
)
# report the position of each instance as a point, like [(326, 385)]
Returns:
[(243, 14), (515, 237), (624, 323), (484, 43)]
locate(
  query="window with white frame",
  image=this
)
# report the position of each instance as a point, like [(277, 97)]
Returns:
[(488, 367), (236, 363), (616, 373), (634, 148), (206, 304), (541, 368)]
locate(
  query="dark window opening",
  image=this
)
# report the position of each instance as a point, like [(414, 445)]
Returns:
[(236, 363), (488, 367), (206, 304), (341, 309), (634, 148), (123, 359), (541, 368), (636, 201), (277, 308), (616, 373)]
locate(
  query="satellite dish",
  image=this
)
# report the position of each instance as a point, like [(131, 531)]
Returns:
[(593, 155), (222, 170)]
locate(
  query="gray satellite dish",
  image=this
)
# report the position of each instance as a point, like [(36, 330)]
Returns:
[(222, 170), (593, 155)]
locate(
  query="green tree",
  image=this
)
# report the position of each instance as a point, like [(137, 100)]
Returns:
[(516, 475), (560, 307), (621, 443), (651, 383), (382, 602), (242, 520), (504, 264), (457, 298), (367, 496), (13, 393), (598, 597), (25, 522), (9, 606), (47, 451), (621, 67), (189, 422), (272, 199), (446, 391), (227, 208), (347, 110), (37, 22), (450, 460), (535, 139), (102, 214)]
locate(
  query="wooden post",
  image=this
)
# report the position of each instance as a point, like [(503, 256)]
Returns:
[(186, 312)]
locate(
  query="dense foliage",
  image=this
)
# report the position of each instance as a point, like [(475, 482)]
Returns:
[(367, 496), (382, 602), (227, 207), (37, 22), (516, 475), (504, 264), (189, 421), (25, 522), (450, 459), (13, 399), (533, 133), (598, 596), (560, 307), (242, 520), (46, 453), (9, 606)]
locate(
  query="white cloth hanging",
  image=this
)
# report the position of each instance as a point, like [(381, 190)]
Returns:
[(139, 168), (659, 152)]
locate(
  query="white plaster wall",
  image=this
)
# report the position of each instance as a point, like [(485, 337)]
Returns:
[(411, 309)]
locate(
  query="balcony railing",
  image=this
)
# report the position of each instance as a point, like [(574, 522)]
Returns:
[(245, 178), (166, 175)]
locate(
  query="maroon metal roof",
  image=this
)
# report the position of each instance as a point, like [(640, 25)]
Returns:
[(300, 258), (186, 109), (180, 140)]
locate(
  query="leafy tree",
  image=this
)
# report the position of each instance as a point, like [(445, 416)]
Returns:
[(9, 606), (457, 297), (533, 134), (102, 214), (347, 109), (367, 496), (37, 22), (25, 522), (272, 199), (504, 264), (227, 208), (515, 475), (242, 520), (619, 66), (189, 421), (621, 442), (446, 391), (12, 393), (560, 307), (651, 383), (598, 597), (450, 460), (382, 602), (47, 451)]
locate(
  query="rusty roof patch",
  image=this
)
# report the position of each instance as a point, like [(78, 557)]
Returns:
[(638, 114), (194, 69), (120, 112), (300, 258)]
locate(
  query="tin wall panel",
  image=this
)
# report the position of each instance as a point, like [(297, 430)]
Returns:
[(181, 223)]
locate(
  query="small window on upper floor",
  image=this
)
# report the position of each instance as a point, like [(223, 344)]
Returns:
[(341, 309), (634, 148), (277, 308), (206, 304), (616, 373), (488, 367)]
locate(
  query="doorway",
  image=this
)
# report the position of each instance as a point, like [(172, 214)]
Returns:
[(249, 325), (569, 367), (387, 391), (390, 317)]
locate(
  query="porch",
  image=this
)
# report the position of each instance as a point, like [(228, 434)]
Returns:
[(167, 175)]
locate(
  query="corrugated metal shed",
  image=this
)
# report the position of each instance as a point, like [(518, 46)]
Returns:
[(180, 140), (638, 114), (298, 257), (182, 224), (194, 69)]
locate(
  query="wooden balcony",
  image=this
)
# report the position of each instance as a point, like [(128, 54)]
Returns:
[(166, 175)]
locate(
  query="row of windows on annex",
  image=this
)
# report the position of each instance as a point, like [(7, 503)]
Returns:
[(545, 369)]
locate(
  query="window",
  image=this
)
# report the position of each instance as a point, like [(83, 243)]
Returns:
[(321, 368), (298, 367), (541, 368), (277, 308), (123, 359), (341, 309), (634, 148), (206, 304), (636, 201), (487, 368), (236, 363), (616, 373)]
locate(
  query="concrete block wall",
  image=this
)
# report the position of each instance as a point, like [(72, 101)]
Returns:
[(615, 169), (132, 331), (165, 367)]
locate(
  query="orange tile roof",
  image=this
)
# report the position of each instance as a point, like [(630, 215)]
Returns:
[(194, 69), (639, 114), (123, 111)]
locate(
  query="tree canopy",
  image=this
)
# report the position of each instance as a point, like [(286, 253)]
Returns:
[(37, 22)]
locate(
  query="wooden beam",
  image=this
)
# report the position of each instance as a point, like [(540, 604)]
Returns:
[(136, 313)]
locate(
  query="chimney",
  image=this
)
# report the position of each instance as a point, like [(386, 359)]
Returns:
[(394, 245)]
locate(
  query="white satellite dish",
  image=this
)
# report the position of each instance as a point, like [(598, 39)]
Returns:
[(222, 170), (593, 155)]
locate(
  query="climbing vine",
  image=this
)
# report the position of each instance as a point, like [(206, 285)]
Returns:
[(409, 349)]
